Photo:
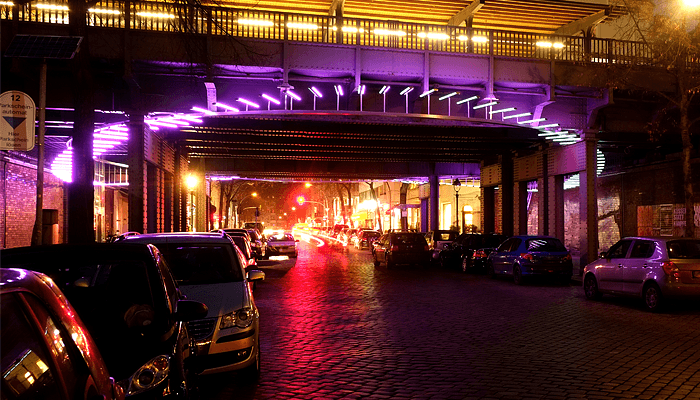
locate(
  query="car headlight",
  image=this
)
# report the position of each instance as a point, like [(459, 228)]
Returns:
[(150, 375), (242, 318)]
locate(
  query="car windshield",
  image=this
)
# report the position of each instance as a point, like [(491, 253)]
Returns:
[(371, 234), (197, 264), (241, 243), (493, 241), (286, 237), (443, 236), (408, 238), (544, 244), (683, 249)]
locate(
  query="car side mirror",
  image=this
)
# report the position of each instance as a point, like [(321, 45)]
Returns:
[(603, 254), (255, 275), (188, 310)]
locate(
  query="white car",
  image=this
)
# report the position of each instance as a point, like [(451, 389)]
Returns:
[(653, 269), (282, 244), (210, 268)]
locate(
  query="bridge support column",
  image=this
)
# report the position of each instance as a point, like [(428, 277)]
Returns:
[(488, 207), (180, 193), (588, 208), (434, 200), (136, 161), (507, 198)]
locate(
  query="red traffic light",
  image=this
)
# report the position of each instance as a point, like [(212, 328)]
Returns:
[(301, 200)]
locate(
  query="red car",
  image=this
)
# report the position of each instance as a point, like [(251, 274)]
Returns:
[(46, 350)]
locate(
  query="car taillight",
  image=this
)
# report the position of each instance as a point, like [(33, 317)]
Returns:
[(479, 254), (395, 247), (670, 269), (566, 257), (527, 256)]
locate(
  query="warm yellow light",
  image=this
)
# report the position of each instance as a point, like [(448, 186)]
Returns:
[(254, 194), (191, 181), (307, 184), (691, 3)]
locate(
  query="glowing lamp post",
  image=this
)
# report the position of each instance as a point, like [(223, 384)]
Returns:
[(191, 183), (316, 94), (449, 102), (383, 92), (427, 93), (270, 99), (405, 92), (468, 100), (338, 93), (456, 185)]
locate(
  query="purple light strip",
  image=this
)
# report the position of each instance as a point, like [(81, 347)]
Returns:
[(315, 91), (270, 99), (338, 90), (248, 102), (293, 95), (227, 107), (203, 110)]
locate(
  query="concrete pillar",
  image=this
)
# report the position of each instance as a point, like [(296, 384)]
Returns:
[(555, 199), (488, 209), (588, 209), (136, 161), (151, 198), (424, 212), (434, 200), (179, 192), (507, 197)]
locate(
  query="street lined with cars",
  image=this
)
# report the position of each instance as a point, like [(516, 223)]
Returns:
[(333, 323)]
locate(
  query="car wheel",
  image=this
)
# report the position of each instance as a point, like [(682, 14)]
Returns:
[(653, 301), (517, 275), (590, 288), (490, 272), (465, 265)]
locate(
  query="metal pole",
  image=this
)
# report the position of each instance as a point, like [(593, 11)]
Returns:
[(38, 222), (191, 210)]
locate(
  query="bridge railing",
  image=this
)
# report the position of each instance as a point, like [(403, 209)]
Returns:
[(270, 25)]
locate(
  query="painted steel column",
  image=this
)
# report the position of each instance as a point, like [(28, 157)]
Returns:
[(488, 209), (424, 211), (588, 208), (507, 197), (179, 192), (136, 161), (434, 200)]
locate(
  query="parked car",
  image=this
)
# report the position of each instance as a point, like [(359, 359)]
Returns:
[(244, 246), (258, 243), (365, 238), (345, 236), (282, 244), (653, 269), (46, 349), (439, 240), (337, 228), (461, 252), (528, 256), (208, 269), (401, 248), (131, 306)]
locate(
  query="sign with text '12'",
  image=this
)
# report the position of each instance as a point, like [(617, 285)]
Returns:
[(17, 119)]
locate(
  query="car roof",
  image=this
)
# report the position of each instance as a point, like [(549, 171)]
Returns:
[(79, 251), (660, 238), (179, 237)]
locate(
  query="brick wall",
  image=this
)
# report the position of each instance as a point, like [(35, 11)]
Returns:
[(18, 201)]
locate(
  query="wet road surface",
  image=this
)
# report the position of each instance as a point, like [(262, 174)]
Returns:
[(333, 326)]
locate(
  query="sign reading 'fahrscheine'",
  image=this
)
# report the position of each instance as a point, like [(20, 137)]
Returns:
[(17, 119)]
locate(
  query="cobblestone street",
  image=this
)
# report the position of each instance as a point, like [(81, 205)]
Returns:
[(334, 326)]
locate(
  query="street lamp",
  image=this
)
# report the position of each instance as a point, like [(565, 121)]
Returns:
[(191, 183), (235, 210), (456, 185)]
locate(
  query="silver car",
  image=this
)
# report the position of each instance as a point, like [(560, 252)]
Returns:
[(654, 269)]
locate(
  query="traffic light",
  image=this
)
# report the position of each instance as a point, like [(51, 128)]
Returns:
[(301, 200)]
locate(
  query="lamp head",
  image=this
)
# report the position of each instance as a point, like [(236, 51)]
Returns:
[(191, 182)]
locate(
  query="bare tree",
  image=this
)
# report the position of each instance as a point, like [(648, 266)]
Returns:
[(664, 28)]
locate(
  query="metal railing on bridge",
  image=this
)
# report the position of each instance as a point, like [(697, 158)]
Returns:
[(270, 25)]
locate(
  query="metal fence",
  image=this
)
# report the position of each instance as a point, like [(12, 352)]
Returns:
[(269, 25)]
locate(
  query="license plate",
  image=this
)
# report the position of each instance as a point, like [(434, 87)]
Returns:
[(696, 274)]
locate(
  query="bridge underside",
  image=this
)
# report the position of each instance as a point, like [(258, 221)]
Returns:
[(297, 145)]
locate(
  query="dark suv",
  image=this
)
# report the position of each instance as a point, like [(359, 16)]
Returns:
[(131, 306), (401, 248)]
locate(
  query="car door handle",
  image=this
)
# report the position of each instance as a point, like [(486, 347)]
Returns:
[(619, 265), (645, 266)]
